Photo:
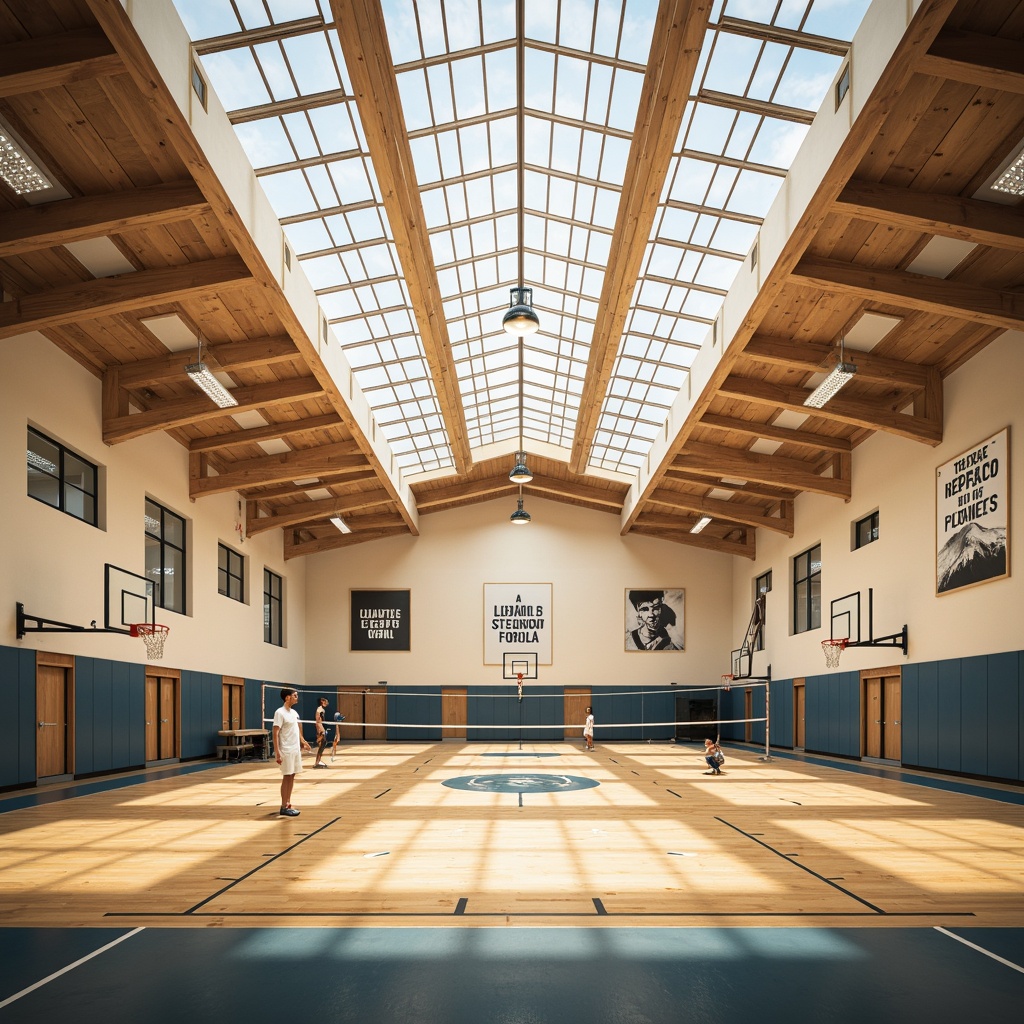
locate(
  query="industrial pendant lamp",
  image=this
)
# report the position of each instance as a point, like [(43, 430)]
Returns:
[(520, 318), (520, 517), (520, 472)]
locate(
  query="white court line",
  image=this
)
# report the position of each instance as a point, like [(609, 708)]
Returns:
[(980, 949), (70, 967)]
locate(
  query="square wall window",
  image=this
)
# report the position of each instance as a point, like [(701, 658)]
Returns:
[(230, 573), (61, 479), (865, 531)]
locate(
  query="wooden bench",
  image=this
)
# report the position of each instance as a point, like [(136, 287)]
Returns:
[(225, 750)]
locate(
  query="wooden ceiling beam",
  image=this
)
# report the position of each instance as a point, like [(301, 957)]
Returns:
[(270, 469), (368, 60), (675, 49), (750, 490), (914, 291), (75, 220), (271, 432), (491, 487), (556, 488), (49, 62), (296, 548), (859, 412), (307, 511), (106, 296), (745, 548), (290, 489), (990, 62), (810, 356), (969, 220), (731, 511), (177, 412), (227, 356), (771, 432), (716, 461)]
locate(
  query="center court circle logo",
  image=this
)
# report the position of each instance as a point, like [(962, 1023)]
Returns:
[(521, 782)]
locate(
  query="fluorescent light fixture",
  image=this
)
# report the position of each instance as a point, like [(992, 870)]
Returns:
[(17, 170), (213, 388), (205, 380), (838, 377), (700, 524), (1012, 179), (341, 524)]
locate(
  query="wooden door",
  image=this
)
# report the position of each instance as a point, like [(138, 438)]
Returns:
[(892, 717), (453, 713), (161, 717), (799, 714), (748, 714), (350, 704), (576, 700), (232, 703), (376, 705), (872, 715), (51, 721)]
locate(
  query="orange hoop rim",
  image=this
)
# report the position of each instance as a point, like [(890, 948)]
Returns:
[(840, 642), (147, 629)]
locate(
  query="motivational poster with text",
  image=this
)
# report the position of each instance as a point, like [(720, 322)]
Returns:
[(517, 620), (380, 620)]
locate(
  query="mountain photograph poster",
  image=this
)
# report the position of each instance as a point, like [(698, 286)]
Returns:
[(972, 520)]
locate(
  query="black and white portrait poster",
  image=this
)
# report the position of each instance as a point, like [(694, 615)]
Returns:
[(972, 500), (654, 619), (380, 620), (517, 620)]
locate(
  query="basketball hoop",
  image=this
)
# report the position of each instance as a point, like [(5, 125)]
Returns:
[(519, 683), (727, 678), (153, 636), (833, 649)]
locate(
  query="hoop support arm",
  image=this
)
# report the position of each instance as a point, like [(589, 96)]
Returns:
[(43, 625), (892, 640)]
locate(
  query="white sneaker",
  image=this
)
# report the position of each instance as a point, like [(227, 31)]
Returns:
[(711, 771)]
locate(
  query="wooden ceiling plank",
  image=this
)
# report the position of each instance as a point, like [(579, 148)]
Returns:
[(49, 62), (914, 291), (296, 549), (990, 62), (179, 412), (301, 512), (368, 60), (675, 50), (969, 220), (747, 489), (75, 220), (105, 296), (272, 431), (746, 548), (770, 432), (291, 489)]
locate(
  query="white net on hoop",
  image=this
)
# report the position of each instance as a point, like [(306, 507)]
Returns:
[(833, 650), (153, 636), (727, 679)]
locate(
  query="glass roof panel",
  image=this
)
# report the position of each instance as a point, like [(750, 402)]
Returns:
[(456, 71)]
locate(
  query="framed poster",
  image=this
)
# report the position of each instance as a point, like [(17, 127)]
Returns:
[(517, 620), (379, 620), (654, 619), (972, 516)]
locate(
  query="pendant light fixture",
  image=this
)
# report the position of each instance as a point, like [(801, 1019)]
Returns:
[(520, 517), (520, 472), (203, 377)]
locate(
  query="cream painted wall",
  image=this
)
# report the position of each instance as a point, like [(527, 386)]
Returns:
[(897, 477), (578, 551), (53, 563)]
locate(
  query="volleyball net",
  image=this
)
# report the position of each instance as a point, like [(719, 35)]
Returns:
[(736, 710)]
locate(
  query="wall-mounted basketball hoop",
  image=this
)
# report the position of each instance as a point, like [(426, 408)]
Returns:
[(153, 636), (845, 623), (727, 678)]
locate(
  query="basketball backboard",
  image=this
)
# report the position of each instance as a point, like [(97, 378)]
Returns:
[(844, 618), (128, 599), (516, 663)]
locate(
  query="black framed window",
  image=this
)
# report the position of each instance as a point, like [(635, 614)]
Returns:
[(230, 573), (807, 590), (865, 531), (762, 587), (273, 608), (165, 556), (61, 479)]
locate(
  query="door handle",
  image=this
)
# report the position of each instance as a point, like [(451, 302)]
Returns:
[(878, 721), (896, 722), (163, 720), (41, 724)]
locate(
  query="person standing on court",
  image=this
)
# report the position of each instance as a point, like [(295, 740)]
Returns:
[(588, 730), (288, 740), (321, 732)]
